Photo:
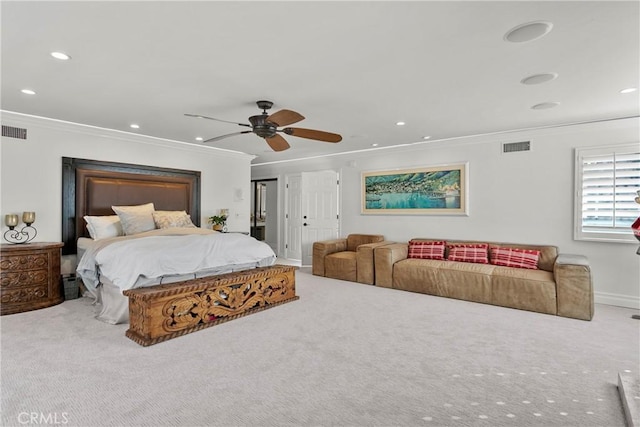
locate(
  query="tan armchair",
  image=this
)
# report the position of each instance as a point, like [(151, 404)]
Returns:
[(349, 258)]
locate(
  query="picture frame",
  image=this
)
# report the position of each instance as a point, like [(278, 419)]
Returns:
[(428, 190)]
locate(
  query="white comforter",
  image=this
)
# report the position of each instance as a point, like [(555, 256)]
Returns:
[(127, 261)]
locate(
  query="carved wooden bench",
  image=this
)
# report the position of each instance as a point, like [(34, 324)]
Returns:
[(158, 313)]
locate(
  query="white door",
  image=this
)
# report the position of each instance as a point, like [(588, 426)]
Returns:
[(319, 210), (293, 217)]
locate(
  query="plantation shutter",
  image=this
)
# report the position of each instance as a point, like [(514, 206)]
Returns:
[(610, 178)]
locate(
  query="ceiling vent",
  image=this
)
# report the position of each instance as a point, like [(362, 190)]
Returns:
[(13, 132), (513, 147)]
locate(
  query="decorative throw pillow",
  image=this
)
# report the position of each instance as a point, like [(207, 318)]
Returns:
[(476, 252), (513, 257), (104, 227), (169, 219), (136, 219), (426, 250)]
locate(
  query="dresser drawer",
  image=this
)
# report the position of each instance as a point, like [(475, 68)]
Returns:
[(24, 294), (17, 279), (24, 261)]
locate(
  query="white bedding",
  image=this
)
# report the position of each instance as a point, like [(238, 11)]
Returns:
[(163, 256)]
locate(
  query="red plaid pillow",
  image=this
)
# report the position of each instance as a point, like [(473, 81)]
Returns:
[(469, 253), (513, 257), (426, 250)]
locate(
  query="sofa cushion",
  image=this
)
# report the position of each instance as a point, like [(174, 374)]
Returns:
[(341, 265), (514, 257), (533, 290), (426, 250), (355, 240), (460, 280), (476, 253)]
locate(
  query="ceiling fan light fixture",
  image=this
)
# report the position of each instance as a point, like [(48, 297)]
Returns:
[(528, 32)]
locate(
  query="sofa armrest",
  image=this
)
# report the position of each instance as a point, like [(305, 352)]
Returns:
[(384, 258), (574, 286), (365, 265), (322, 249)]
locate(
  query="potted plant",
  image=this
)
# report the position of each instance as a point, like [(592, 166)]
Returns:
[(218, 222)]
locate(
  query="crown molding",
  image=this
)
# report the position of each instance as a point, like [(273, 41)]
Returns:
[(27, 120)]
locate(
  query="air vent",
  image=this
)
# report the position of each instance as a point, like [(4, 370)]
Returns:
[(512, 147), (12, 132)]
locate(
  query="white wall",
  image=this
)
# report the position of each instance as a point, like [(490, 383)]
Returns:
[(31, 170), (271, 222), (525, 197)]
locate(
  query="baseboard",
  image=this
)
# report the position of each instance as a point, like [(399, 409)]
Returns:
[(617, 300)]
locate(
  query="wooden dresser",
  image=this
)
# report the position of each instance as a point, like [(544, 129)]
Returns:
[(30, 277)]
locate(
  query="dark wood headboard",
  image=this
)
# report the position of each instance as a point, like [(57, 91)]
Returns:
[(91, 187)]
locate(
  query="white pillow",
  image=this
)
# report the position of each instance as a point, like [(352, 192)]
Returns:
[(136, 219), (104, 227), (169, 219)]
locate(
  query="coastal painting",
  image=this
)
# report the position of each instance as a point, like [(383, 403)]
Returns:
[(436, 190)]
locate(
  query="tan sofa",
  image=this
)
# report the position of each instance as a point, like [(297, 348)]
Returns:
[(349, 258), (562, 284)]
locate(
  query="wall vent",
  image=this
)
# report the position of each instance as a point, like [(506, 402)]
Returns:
[(13, 132), (512, 147)]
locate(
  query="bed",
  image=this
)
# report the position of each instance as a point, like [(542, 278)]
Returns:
[(177, 253)]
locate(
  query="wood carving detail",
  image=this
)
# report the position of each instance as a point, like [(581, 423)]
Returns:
[(15, 279), (24, 262), (23, 294), (228, 300)]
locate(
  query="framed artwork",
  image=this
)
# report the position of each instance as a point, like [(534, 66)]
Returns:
[(431, 190)]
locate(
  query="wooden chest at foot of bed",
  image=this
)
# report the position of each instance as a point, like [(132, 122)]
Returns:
[(158, 313)]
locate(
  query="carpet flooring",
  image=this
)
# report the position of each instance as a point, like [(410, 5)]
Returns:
[(345, 354)]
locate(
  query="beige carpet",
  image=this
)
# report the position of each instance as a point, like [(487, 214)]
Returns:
[(344, 354)]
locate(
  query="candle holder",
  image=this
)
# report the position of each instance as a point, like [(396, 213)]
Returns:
[(26, 234)]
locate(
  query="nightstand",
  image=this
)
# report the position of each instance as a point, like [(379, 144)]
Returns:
[(29, 277)]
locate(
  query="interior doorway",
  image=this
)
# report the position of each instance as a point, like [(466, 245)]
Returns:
[(312, 212), (264, 211)]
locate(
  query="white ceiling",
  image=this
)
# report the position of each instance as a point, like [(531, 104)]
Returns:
[(354, 68)]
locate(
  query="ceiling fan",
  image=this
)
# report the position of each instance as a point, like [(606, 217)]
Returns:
[(266, 126)]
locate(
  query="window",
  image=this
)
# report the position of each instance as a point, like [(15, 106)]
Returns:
[(607, 179)]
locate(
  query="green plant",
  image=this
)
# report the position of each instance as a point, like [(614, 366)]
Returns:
[(218, 219)]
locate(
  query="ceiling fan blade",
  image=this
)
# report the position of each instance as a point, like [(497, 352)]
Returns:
[(218, 138), (277, 143), (198, 116), (285, 117), (313, 134)]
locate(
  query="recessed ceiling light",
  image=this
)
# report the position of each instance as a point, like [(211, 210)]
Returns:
[(134, 126), (545, 105), (60, 55), (199, 138), (426, 137), (539, 78), (400, 123), (528, 32), (374, 145), (28, 91), (629, 90)]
